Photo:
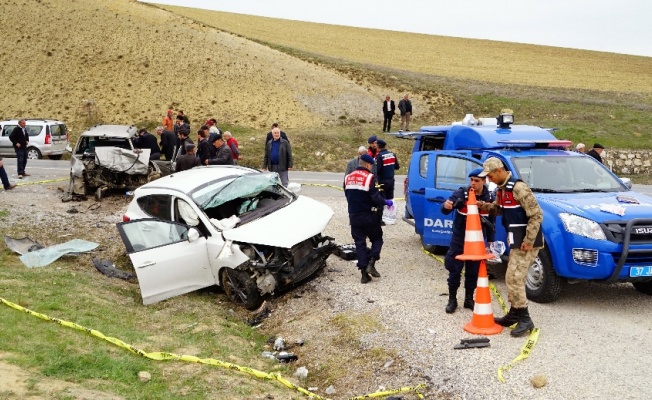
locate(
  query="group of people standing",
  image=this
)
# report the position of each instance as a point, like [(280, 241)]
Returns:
[(369, 189), (595, 152), (389, 110)]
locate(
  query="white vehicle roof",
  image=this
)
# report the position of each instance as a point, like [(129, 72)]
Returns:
[(117, 131), (33, 121), (189, 180)]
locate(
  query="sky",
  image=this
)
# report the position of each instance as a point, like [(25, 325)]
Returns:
[(604, 25)]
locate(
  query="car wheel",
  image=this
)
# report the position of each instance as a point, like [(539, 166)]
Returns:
[(33, 153), (643, 287), (55, 156), (240, 288), (434, 249), (542, 284)]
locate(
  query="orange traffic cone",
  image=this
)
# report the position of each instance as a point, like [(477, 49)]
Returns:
[(482, 322)]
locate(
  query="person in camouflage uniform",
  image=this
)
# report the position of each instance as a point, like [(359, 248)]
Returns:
[(522, 219)]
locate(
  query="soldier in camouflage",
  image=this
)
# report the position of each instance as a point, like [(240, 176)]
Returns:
[(522, 219)]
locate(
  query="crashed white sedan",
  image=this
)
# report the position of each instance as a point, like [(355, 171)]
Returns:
[(223, 225)]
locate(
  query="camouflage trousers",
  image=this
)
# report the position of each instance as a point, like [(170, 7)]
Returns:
[(519, 262)]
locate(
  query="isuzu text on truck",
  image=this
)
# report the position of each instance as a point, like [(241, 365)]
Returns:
[(594, 226)]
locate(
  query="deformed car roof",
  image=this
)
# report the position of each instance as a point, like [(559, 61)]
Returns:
[(117, 131), (189, 180)]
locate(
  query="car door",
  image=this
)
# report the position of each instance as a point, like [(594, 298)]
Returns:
[(169, 258), (448, 172), (6, 148), (58, 137)]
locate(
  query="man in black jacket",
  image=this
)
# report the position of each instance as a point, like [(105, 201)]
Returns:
[(389, 109), (20, 140), (405, 107), (168, 142), (146, 140), (223, 155), (596, 152), (278, 156)]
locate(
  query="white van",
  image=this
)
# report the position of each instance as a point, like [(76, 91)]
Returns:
[(47, 138)]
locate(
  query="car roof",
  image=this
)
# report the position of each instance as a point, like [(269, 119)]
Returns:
[(33, 121), (189, 180), (119, 131)]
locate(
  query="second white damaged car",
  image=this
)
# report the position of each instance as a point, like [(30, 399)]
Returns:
[(223, 225)]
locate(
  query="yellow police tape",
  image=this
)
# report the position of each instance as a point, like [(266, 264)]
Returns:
[(339, 188), (532, 339), (25, 183), (163, 356)]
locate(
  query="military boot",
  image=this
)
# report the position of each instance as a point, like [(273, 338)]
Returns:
[(371, 268), (509, 319), (365, 276), (452, 301), (525, 323), (468, 299)]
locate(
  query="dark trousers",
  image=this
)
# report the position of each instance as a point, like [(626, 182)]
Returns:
[(387, 122), (388, 188), (455, 267), (4, 177), (360, 233), (21, 160)]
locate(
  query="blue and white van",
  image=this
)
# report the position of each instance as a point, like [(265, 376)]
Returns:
[(595, 227)]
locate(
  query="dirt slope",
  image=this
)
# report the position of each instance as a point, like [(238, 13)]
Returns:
[(134, 61)]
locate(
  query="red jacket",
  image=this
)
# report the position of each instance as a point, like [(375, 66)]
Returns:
[(233, 145)]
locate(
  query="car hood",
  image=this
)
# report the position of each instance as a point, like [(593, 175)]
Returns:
[(600, 207), (294, 223)]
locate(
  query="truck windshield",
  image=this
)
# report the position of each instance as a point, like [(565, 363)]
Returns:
[(566, 174)]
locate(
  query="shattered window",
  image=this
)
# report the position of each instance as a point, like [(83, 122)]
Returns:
[(242, 186)]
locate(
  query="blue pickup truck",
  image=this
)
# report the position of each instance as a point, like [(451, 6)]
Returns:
[(595, 227)]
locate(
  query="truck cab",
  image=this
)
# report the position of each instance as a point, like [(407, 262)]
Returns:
[(595, 227)]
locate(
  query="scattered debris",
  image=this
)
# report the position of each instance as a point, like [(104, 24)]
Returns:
[(388, 364), (330, 390), (47, 255), (109, 269), (539, 381), (279, 344), (346, 252), (301, 373), (286, 357), (144, 376), (259, 315), (22, 246), (72, 210), (268, 354), (470, 343)]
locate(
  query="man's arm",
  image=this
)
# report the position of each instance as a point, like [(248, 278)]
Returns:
[(289, 148), (526, 199)]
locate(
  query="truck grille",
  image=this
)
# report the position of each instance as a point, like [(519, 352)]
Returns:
[(615, 232)]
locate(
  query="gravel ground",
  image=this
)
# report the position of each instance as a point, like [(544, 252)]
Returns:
[(594, 341)]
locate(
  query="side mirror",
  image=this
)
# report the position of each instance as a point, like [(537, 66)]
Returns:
[(193, 234), (627, 182)]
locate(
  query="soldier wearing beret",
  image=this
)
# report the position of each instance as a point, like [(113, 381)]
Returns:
[(365, 204)]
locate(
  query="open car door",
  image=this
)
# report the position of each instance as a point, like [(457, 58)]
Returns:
[(170, 259)]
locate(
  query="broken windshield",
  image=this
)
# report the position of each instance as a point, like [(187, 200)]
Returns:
[(249, 185)]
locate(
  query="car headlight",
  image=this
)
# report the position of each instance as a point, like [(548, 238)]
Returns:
[(582, 226)]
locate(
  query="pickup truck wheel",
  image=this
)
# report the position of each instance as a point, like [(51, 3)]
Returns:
[(434, 249), (643, 287), (542, 284), (240, 289)]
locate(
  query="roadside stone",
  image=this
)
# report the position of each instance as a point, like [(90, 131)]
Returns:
[(144, 376)]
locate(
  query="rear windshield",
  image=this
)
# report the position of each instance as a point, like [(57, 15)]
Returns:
[(58, 130)]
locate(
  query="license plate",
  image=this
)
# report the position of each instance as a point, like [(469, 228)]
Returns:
[(640, 271)]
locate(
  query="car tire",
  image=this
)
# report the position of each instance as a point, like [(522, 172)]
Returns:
[(33, 153), (434, 249), (240, 288), (55, 156), (542, 284), (643, 287)]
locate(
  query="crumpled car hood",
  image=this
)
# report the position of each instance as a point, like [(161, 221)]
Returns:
[(292, 224)]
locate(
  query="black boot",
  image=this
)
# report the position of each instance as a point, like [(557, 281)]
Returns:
[(371, 268), (452, 301), (468, 299), (525, 323), (365, 276), (509, 319)]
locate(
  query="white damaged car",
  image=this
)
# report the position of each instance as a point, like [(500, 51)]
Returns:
[(223, 225)]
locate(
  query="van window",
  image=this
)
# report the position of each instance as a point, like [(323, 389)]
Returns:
[(58, 130), (452, 172)]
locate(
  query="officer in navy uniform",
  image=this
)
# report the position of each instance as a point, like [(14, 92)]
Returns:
[(386, 164), (457, 203), (365, 205)]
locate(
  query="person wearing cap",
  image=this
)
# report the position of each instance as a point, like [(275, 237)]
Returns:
[(580, 148), (522, 217), (355, 162), (389, 109), (278, 156), (596, 152), (188, 160), (373, 146), (457, 203), (405, 109), (222, 154), (365, 204), (146, 140), (168, 142), (168, 123)]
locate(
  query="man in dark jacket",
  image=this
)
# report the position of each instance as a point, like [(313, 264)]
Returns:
[(269, 134), (365, 204), (457, 203), (146, 140), (168, 142), (386, 164), (223, 154), (389, 109), (188, 160), (596, 152), (204, 151), (405, 108), (278, 156), (182, 140), (20, 140)]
